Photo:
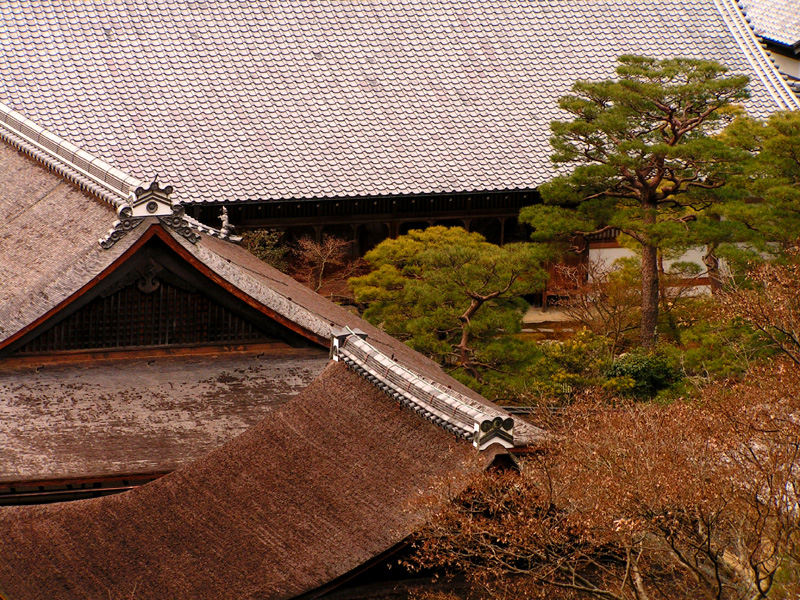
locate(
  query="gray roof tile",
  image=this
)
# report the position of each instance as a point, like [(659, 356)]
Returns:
[(776, 20), (231, 100)]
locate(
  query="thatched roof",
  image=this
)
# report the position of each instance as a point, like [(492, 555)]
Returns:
[(128, 415), (301, 305), (48, 239), (104, 418), (321, 486), (327, 482)]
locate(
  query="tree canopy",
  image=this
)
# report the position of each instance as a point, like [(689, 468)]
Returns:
[(639, 502), (450, 294), (266, 245), (646, 162), (770, 180)]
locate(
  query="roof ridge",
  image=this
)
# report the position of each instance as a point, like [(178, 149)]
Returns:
[(776, 82), (223, 233), (481, 425), (88, 172)]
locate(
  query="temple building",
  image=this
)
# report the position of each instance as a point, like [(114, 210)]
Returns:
[(777, 23), (284, 443), (356, 119), (226, 432)]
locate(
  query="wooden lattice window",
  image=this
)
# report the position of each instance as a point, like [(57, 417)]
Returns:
[(168, 315)]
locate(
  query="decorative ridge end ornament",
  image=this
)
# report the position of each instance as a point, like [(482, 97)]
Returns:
[(497, 430), (120, 227), (152, 201), (226, 228), (226, 232), (480, 425), (178, 223)]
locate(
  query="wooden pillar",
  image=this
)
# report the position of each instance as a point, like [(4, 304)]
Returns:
[(356, 248)]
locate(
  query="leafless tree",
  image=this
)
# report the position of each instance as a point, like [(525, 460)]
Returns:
[(605, 299), (328, 263), (770, 301)]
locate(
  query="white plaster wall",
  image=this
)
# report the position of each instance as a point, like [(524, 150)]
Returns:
[(789, 66), (695, 255), (609, 255)]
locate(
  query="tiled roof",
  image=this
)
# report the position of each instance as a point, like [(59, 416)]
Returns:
[(775, 20), (230, 100), (88, 172), (49, 251)]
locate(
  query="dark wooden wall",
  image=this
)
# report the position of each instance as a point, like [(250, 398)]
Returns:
[(369, 220)]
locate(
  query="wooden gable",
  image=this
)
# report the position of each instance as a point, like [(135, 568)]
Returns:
[(156, 298)]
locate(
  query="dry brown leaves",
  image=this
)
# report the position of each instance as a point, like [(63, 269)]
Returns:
[(641, 502)]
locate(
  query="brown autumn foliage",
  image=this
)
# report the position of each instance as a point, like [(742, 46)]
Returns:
[(640, 502), (604, 299), (770, 302)]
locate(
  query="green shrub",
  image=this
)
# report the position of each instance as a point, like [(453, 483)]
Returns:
[(641, 375)]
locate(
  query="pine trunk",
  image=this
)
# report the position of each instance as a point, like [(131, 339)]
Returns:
[(649, 295), (464, 351), (712, 265)]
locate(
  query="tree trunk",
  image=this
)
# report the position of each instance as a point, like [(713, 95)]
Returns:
[(463, 348), (712, 265), (649, 295)]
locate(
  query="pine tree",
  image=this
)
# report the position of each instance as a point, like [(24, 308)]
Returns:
[(770, 181), (646, 160), (449, 293)]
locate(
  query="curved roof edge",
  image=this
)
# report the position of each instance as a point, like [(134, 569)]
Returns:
[(88, 172), (482, 425), (292, 301), (775, 81)]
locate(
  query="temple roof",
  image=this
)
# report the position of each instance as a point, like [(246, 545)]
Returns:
[(311, 480), (774, 20), (290, 471), (99, 420), (244, 101), (324, 484)]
